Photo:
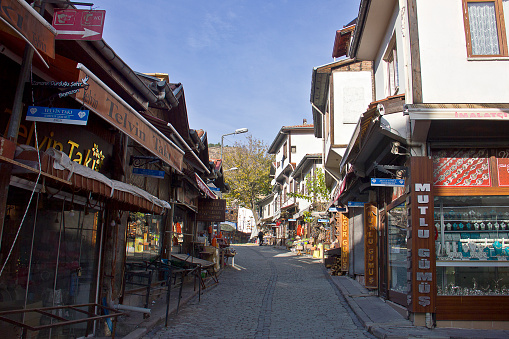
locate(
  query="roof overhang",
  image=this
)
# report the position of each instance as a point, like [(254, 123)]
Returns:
[(307, 161), (283, 135), (285, 173), (373, 18), (342, 41), (370, 143)]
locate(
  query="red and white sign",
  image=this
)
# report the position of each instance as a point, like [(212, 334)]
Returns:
[(203, 186), (78, 24)]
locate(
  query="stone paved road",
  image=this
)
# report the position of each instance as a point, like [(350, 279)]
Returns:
[(270, 293)]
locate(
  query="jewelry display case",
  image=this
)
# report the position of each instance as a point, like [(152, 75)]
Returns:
[(472, 245)]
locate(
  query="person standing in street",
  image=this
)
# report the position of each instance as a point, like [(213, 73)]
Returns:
[(260, 238)]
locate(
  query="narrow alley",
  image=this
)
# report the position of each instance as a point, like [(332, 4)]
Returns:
[(267, 295)]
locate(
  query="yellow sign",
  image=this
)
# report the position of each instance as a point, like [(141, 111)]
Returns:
[(345, 242)]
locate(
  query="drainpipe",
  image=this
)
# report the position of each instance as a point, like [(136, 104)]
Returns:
[(183, 142)]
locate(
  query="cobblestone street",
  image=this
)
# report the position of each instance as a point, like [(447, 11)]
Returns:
[(271, 293)]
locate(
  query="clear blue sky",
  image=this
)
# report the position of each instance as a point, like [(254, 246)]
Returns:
[(242, 63)]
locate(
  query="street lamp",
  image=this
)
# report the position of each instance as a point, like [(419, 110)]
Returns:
[(237, 131), (231, 169)]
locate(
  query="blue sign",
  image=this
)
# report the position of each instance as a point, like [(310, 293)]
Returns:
[(215, 189), (323, 220), (356, 204), (387, 182), (57, 115), (292, 219), (149, 173), (337, 209)]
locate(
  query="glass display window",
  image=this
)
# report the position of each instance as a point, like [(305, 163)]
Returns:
[(143, 236), (472, 244), (397, 245)]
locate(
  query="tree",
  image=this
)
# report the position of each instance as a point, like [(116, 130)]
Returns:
[(316, 189), (317, 193), (250, 182)]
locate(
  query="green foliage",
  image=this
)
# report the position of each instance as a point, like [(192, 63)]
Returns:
[(251, 181), (214, 145), (307, 216), (316, 188)]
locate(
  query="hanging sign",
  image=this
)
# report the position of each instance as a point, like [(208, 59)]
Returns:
[(148, 173), (211, 210), (58, 115), (323, 220), (78, 24), (387, 182), (356, 204), (337, 209)]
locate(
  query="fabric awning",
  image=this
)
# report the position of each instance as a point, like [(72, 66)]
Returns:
[(58, 166)]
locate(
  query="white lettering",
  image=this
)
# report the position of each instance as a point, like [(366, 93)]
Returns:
[(424, 288), (424, 264), (424, 301), (423, 199), (423, 209), (422, 187), (424, 252), (424, 276), (423, 234)]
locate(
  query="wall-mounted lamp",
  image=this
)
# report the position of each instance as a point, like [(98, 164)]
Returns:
[(395, 148)]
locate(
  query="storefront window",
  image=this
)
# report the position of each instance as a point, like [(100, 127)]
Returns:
[(54, 261), (472, 245), (397, 237), (143, 236)]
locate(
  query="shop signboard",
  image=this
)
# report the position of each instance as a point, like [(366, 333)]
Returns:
[(345, 241), (370, 246), (25, 20), (213, 210), (203, 186), (323, 220), (78, 24), (148, 173), (386, 182), (57, 115), (356, 204), (110, 107), (421, 253), (503, 172)]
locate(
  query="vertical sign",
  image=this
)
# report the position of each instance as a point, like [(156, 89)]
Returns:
[(421, 252), (345, 242), (370, 246)]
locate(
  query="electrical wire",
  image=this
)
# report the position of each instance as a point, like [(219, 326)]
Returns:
[(33, 191)]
